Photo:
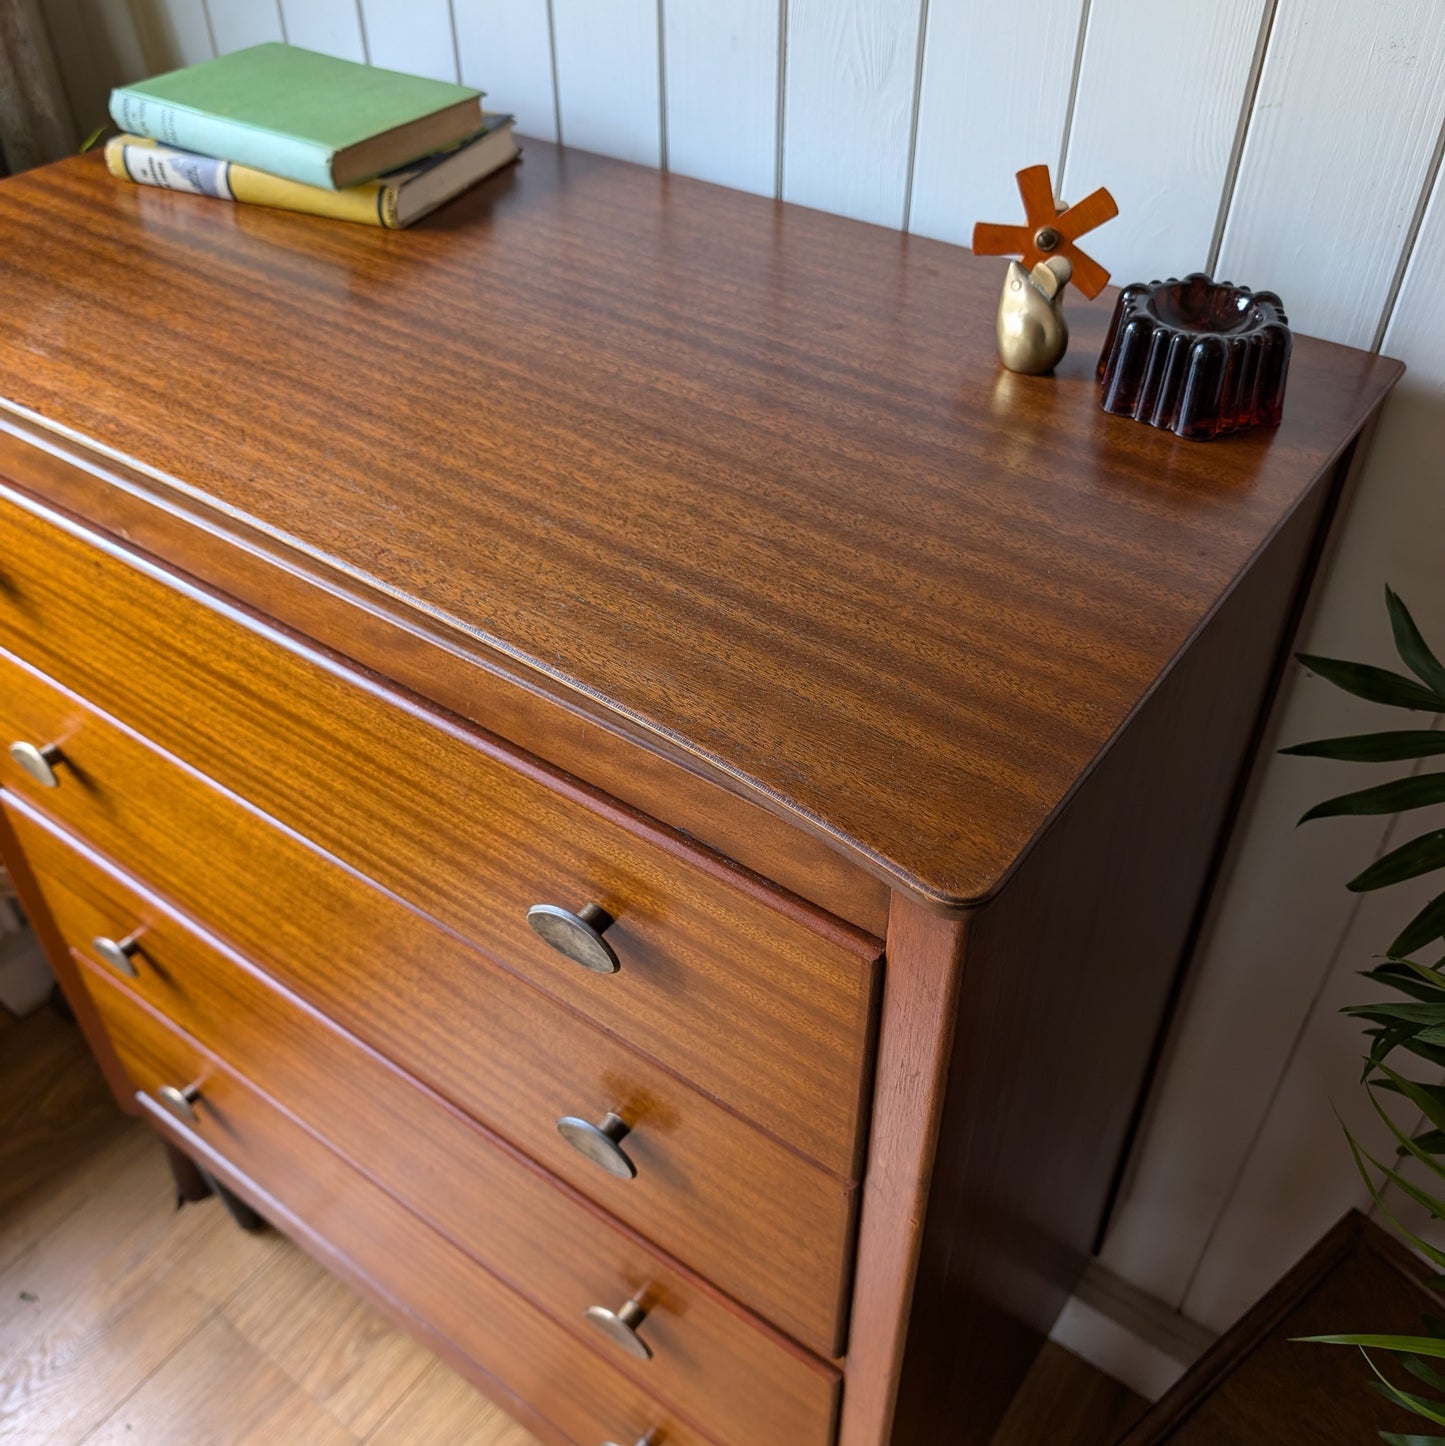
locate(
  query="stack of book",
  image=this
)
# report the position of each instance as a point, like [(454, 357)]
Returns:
[(276, 125)]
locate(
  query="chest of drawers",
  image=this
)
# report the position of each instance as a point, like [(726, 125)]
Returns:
[(601, 765)]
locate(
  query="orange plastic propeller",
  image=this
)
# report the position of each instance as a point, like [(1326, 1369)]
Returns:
[(1048, 231)]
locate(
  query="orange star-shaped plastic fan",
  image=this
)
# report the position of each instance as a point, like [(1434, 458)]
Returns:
[(1049, 231)]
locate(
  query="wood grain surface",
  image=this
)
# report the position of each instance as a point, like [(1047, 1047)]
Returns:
[(746, 1211), (747, 478), (355, 1227), (471, 833), (416, 654), (547, 1242)]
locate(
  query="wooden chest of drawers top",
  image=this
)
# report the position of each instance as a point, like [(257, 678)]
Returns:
[(738, 481)]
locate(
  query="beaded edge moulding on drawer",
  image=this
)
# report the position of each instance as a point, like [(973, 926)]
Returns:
[(1196, 357)]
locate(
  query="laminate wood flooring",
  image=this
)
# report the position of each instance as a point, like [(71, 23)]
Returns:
[(124, 1320), (127, 1322)]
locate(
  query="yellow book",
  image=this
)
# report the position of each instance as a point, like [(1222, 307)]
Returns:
[(394, 200)]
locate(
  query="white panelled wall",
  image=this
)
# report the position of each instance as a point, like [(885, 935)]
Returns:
[(1293, 145)]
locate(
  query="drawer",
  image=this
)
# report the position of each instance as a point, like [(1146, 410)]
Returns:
[(756, 997), (708, 1356), (746, 1212), (353, 1224)]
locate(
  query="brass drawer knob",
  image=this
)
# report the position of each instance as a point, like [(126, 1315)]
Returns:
[(39, 763), (181, 1103), (620, 1326), (118, 953), (578, 936), (602, 1144)]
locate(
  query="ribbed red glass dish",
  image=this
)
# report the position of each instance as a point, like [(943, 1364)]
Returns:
[(1197, 357)]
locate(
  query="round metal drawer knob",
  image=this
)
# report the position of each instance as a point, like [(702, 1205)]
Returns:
[(118, 953), (181, 1103), (578, 936), (648, 1440), (39, 763), (602, 1144), (620, 1326)]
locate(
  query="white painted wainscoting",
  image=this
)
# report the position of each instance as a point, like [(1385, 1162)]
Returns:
[(1288, 144)]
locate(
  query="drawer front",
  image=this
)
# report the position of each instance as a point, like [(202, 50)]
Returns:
[(343, 1213), (746, 1212), (709, 1358), (755, 997)]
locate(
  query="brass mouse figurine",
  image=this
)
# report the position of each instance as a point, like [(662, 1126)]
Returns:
[(1032, 333)]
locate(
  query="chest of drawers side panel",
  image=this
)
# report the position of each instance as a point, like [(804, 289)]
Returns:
[(1066, 983)]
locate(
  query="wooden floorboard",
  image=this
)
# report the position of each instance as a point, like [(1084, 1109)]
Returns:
[(1067, 1402), (124, 1320)]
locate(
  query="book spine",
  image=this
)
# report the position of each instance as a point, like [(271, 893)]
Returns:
[(190, 130), (136, 159)]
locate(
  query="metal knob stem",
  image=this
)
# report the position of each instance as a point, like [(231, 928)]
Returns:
[(577, 936), (118, 953), (181, 1103), (39, 763), (602, 1144), (651, 1439), (620, 1326)]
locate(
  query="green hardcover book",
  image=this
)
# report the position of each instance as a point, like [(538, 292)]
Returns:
[(295, 113)]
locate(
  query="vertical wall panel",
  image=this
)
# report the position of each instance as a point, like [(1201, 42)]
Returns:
[(239, 23), (994, 100), (1300, 1177), (172, 33), (722, 91), (506, 50), (852, 68), (332, 26), (411, 35), (1316, 216), (1161, 92), (607, 77), (1268, 951)]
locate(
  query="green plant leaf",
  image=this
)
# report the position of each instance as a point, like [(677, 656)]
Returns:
[(1427, 926), (1420, 1405), (1420, 790), (1428, 1099), (1419, 981), (1411, 1148), (1431, 1141), (1415, 1345), (1388, 1011), (1426, 1051), (1393, 1438), (1411, 646), (1422, 1372), (1375, 685), (1390, 747), (1421, 855), (1434, 1256)]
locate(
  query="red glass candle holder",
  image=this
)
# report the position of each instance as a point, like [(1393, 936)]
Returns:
[(1197, 357)]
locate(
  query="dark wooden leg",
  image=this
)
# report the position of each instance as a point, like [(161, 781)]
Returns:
[(236, 1207), (192, 1183)]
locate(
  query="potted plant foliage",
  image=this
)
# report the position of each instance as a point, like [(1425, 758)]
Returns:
[(1409, 1026)]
